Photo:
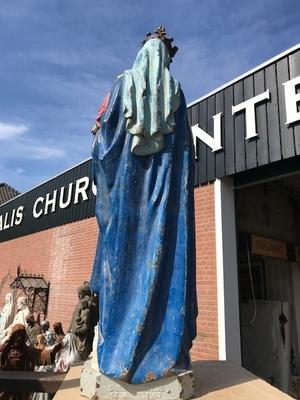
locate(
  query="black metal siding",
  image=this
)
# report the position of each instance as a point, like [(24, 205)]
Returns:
[(275, 141), (74, 212)]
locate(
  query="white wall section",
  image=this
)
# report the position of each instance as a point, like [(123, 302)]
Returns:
[(227, 272)]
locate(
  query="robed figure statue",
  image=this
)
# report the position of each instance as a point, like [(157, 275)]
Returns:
[(144, 269)]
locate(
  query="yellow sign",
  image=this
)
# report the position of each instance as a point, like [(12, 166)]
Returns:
[(268, 247), (297, 252)]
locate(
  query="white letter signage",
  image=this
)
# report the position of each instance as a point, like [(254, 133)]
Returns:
[(35, 213), (213, 142), (249, 106), (292, 100)]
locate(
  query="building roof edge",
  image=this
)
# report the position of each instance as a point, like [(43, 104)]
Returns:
[(251, 71), (42, 183)]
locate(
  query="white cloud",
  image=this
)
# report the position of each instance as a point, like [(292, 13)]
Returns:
[(30, 149), (44, 152), (14, 145), (10, 131)]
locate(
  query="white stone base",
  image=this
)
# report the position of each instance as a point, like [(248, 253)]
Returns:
[(96, 386)]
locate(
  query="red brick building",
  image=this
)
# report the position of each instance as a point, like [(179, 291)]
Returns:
[(64, 254)]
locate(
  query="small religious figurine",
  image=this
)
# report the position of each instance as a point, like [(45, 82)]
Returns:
[(68, 355), (48, 335), (6, 314), (84, 316), (83, 292), (17, 356), (40, 344), (33, 329), (23, 311), (58, 332), (144, 268), (83, 321), (82, 329), (20, 317)]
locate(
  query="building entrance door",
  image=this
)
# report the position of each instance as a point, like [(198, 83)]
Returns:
[(268, 225)]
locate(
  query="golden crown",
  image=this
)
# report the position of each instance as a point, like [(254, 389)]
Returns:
[(161, 33)]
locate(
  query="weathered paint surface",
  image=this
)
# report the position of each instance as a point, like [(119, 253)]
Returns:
[(144, 269)]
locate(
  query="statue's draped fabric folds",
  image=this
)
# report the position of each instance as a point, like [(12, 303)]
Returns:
[(144, 270), (151, 96)]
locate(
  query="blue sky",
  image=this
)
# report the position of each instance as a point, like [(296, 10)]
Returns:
[(60, 57)]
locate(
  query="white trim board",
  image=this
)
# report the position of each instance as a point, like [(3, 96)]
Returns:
[(227, 272)]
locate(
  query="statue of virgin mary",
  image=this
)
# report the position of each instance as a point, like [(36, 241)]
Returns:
[(144, 269), (7, 312)]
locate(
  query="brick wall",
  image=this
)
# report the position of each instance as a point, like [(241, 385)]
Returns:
[(64, 255), (206, 344)]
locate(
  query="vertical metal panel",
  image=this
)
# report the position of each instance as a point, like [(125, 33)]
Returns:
[(54, 186), (239, 129), (211, 160), (82, 209), (261, 120), (43, 221), (250, 145), (273, 114), (86, 208), (39, 192), (286, 132), (202, 146), (229, 147), (220, 155), (76, 175), (65, 182), (294, 63), (194, 120), (91, 204)]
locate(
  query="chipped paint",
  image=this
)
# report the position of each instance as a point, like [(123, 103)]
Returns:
[(150, 377), (144, 270)]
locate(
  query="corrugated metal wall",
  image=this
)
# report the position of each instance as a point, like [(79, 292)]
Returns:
[(74, 212), (276, 140)]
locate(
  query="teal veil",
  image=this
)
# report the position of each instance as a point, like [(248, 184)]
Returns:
[(150, 98)]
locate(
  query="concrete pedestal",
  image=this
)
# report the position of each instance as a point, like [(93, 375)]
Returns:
[(95, 385), (214, 380)]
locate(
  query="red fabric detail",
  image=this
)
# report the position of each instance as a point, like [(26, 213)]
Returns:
[(102, 108)]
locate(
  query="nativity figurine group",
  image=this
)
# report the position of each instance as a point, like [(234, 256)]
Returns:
[(27, 345)]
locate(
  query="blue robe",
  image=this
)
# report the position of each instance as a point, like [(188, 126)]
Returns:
[(144, 269)]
